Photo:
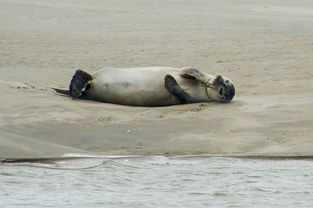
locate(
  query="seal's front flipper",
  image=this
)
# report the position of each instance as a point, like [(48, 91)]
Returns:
[(78, 83), (192, 73), (172, 86)]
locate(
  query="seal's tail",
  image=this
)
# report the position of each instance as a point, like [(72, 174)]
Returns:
[(62, 91), (78, 83)]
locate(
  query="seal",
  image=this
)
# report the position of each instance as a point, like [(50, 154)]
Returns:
[(150, 86)]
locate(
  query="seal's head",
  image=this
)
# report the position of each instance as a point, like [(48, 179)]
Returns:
[(223, 89)]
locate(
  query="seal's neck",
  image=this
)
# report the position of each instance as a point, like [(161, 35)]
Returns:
[(211, 93), (210, 89)]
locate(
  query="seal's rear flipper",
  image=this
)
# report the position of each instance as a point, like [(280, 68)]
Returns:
[(62, 91), (78, 83), (173, 87)]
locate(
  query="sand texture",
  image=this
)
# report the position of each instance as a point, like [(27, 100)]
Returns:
[(265, 47)]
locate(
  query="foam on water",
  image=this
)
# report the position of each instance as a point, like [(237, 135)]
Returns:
[(158, 181)]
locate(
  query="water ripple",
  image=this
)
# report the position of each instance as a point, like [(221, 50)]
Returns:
[(158, 182)]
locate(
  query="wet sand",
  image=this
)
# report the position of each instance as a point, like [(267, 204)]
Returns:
[(265, 47)]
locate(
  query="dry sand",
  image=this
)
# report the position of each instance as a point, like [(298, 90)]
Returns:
[(265, 47)]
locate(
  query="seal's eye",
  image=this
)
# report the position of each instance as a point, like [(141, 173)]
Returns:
[(221, 91), (227, 81)]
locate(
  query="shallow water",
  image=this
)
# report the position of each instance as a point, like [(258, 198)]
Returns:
[(158, 182)]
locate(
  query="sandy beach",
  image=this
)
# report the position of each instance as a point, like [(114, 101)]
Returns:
[(265, 47)]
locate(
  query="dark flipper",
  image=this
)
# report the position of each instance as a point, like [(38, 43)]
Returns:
[(172, 86), (62, 91), (78, 83)]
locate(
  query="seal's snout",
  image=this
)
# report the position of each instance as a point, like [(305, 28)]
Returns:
[(229, 93)]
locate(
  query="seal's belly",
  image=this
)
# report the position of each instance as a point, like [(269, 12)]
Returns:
[(140, 86)]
